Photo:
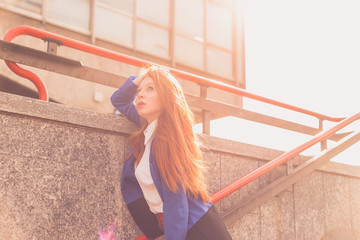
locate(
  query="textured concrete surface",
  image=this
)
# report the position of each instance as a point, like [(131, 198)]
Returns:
[(213, 171), (53, 176), (354, 204), (247, 227), (337, 202), (232, 168), (309, 207), (60, 179), (277, 217), (286, 223)]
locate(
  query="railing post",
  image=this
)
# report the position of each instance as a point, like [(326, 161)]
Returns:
[(205, 114), (92, 16), (52, 48), (52, 45), (289, 166), (323, 144)]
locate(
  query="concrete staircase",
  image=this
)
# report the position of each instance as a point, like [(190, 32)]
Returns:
[(60, 179)]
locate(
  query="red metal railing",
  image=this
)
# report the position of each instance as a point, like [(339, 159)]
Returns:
[(281, 159), (68, 42), (26, 30)]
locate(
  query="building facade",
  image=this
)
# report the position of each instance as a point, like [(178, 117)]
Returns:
[(204, 37)]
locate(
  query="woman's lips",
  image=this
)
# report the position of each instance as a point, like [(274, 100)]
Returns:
[(140, 104)]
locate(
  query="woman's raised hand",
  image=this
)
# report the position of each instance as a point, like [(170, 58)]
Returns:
[(138, 80)]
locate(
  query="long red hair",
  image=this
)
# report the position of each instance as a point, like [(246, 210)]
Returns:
[(176, 149)]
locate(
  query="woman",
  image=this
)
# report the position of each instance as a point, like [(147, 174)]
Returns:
[(162, 181)]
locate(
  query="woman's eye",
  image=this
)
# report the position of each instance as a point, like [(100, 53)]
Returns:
[(150, 88), (138, 91)]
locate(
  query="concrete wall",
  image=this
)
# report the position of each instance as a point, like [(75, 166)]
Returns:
[(60, 179)]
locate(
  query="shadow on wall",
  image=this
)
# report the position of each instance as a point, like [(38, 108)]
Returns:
[(9, 86)]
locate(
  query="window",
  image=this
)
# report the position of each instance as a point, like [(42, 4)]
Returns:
[(123, 5), (190, 20), (152, 27), (225, 3), (30, 5), (189, 52), (73, 13), (189, 33), (152, 39), (219, 26), (156, 11), (192, 46), (113, 26), (219, 62), (114, 21)]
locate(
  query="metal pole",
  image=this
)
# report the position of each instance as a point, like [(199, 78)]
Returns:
[(205, 114)]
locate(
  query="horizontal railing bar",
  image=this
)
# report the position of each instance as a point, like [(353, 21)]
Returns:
[(338, 136), (238, 91), (231, 110), (19, 53), (38, 33), (35, 58), (75, 44)]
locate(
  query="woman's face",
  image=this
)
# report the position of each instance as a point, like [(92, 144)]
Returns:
[(148, 103)]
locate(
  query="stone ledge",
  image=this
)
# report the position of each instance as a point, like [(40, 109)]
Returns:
[(10, 103), (30, 107), (341, 169), (267, 154)]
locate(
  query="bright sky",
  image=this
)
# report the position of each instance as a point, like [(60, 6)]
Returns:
[(305, 53)]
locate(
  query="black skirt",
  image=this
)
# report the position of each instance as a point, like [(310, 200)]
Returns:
[(209, 227)]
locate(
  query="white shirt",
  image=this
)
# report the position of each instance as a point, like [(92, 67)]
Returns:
[(143, 175)]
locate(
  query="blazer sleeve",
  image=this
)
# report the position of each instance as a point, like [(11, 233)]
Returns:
[(176, 213), (123, 100)]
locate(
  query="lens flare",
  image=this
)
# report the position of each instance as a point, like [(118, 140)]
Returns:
[(107, 234)]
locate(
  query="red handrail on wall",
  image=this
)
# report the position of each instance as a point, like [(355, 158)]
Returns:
[(42, 34), (38, 82), (281, 159)]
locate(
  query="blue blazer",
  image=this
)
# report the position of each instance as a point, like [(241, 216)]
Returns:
[(180, 210)]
